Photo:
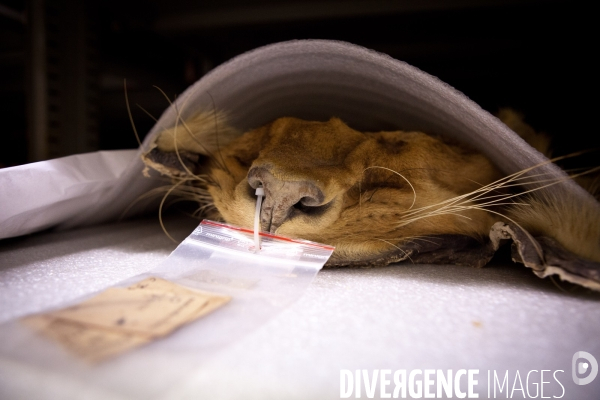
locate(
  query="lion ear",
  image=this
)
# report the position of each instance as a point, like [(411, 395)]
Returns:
[(514, 120), (179, 150), (203, 133)]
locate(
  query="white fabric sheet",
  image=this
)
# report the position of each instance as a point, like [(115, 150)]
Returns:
[(70, 191)]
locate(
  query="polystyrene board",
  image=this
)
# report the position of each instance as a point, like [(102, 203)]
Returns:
[(500, 318)]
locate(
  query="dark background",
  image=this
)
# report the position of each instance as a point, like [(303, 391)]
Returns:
[(534, 56)]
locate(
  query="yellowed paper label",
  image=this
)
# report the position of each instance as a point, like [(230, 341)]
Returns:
[(122, 318)]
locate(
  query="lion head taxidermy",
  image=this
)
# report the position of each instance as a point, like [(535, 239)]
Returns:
[(368, 154)]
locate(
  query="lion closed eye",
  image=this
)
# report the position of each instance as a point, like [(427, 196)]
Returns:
[(378, 197)]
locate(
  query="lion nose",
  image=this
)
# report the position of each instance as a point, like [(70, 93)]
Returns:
[(284, 199)]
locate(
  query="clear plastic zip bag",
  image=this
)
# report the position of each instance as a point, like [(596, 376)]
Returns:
[(141, 336)]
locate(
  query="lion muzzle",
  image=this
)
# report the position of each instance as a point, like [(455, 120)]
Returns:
[(284, 199)]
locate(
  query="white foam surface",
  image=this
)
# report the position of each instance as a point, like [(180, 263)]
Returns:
[(400, 317)]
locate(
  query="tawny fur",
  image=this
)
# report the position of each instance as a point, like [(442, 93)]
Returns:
[(381, 189), (197, 134), (574, 225), (562, 217), (514, 120)]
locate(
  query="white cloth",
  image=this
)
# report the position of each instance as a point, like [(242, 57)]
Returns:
[(69, 191)]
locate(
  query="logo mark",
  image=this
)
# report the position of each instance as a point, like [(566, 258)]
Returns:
[(580, 367)]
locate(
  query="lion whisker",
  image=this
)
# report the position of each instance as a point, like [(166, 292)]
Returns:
[(130, 115), (400, 175), (148, 194), (187, 129), (160, 207), (409, 239), (476, 194), (149, 114), (217, 131), (399, 248)]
